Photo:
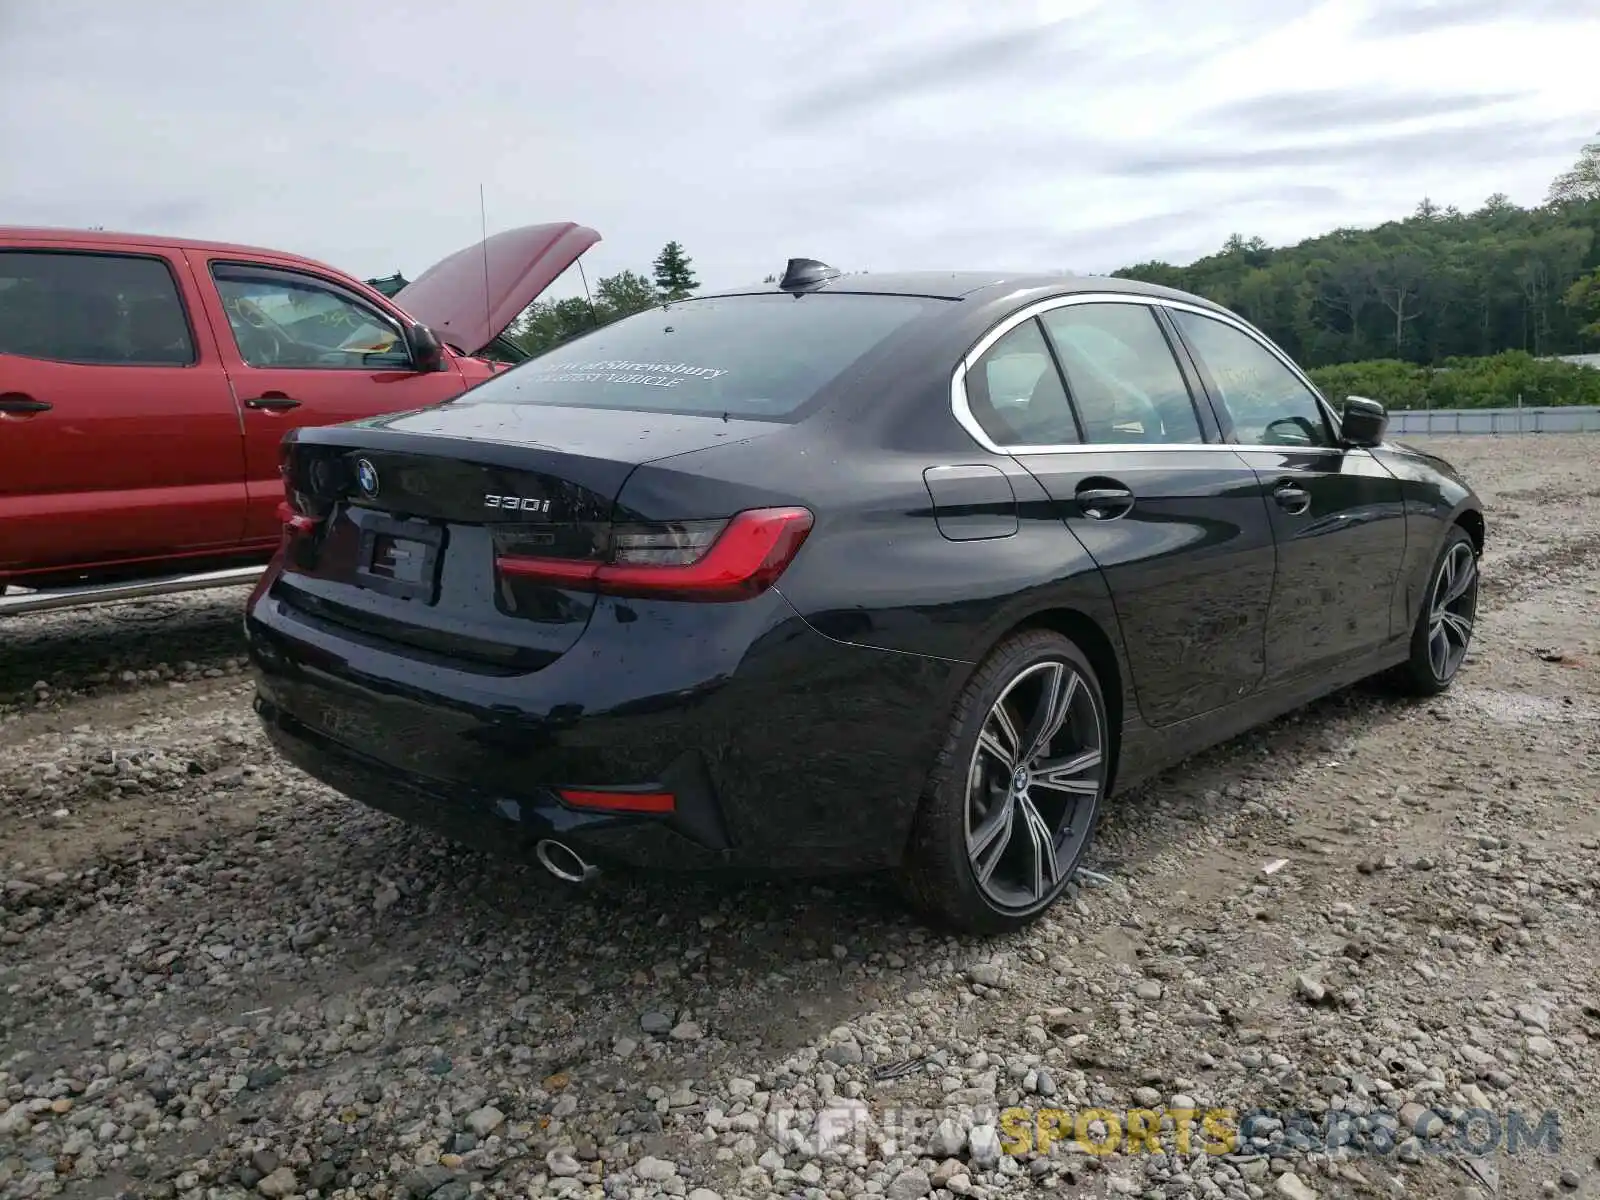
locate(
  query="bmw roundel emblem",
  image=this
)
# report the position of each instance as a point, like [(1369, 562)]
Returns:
[(366, 477)]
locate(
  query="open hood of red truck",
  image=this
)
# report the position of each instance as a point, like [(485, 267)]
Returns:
[(469, 298)]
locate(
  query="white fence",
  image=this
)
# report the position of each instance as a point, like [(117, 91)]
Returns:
[(1553, 419)]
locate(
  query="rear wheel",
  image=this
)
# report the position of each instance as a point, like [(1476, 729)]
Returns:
[(1012, 801), (1443, 631)]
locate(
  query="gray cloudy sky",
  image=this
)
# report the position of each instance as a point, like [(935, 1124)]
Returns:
[(1080, 134)]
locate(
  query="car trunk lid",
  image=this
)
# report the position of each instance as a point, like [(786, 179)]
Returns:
[(401, 527)]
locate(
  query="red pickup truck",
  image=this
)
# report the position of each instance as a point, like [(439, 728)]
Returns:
[(146, 382)]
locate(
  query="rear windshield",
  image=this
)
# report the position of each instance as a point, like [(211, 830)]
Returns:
[(746, 356)]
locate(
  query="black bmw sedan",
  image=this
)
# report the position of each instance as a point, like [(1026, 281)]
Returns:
[(880, 572)]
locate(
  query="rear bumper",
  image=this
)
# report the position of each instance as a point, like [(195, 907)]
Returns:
[(787, 751), (693, 837)]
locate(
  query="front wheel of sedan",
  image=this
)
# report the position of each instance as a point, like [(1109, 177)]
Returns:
[(1011, 804), (1443, 632)]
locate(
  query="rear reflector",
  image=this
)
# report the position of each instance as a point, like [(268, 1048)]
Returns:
[(690, 560), (624, 802), (295, 522)]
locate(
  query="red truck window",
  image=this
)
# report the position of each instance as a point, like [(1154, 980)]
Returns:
[(281, 319), (98, 309)]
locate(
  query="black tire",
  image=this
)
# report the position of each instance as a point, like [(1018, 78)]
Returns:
[(1421, 673), (938, 876)]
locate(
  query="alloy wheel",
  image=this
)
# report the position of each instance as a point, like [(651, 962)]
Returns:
[(1452, 606), (1033, 786)]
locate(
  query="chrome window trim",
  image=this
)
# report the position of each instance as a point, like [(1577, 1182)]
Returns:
[(963, 412)]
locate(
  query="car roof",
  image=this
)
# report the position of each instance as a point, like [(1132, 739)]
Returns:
[(93, 237), (976, 285)]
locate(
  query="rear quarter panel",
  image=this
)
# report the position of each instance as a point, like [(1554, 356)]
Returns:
[(877, 574)]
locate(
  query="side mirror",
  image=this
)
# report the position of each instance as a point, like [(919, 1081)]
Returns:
[(1364, 422), (427, 352)]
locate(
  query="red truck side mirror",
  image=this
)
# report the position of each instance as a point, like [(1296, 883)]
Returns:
[(427, 353)]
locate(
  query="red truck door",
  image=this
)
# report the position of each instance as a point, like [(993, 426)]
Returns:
[(119, 439), (302, 348)]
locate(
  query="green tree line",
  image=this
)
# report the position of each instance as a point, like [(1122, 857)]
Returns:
[(1492, 381), (546, 324)]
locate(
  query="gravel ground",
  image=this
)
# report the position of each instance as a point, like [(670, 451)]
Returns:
[(1372, 920)]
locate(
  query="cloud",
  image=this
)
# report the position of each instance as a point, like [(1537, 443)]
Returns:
[(1093, 43), (939, 69), (1013, 133), (169, 216), (176, 213), (1400, 18), (1321, 195), (1500, 141), (1333, 109)]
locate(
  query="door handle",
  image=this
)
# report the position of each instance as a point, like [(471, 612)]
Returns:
[(273, 402), (1104, 503), (20, 405), (1291, 499)]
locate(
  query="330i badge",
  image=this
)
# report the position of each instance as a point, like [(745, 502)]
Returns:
[(527, 504)]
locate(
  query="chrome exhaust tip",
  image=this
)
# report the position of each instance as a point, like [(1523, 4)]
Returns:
[(565, 863)]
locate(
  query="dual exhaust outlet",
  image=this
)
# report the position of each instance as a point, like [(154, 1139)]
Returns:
[(565, 863)]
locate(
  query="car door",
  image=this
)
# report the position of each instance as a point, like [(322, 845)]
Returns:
[(303, 349), (1176, 522), (1337, 514), (118, 435)]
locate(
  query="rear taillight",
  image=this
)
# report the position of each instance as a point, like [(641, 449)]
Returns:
[(684, 560)]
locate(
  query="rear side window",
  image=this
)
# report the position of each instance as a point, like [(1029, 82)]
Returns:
[(757, 356), (1124, 380), (100, 309), (1014, 392)]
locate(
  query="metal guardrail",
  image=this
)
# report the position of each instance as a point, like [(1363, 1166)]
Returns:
[(1573, 418)]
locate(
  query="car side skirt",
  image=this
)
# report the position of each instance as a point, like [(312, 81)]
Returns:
[(1147, 752)]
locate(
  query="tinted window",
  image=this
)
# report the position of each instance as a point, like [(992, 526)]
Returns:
[(1269, 406), (1124, 380), (747, 356), (280, 319), (1015, 392), (107, 309)]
